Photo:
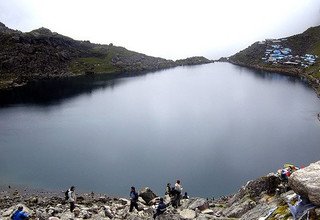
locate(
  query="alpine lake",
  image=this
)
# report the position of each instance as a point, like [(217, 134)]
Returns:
[(213, 126)]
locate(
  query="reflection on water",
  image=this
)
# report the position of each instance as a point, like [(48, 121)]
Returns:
[(56, 91), (213, 126)]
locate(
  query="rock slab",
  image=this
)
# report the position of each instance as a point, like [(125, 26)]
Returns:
[(306, 182)]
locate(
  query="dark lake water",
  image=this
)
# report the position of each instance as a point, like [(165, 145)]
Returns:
[(213, 126)]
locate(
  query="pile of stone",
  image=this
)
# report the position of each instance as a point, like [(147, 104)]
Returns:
[(258, 199)]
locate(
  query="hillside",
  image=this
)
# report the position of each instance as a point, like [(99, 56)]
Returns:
[(43, 54), (296, 55)]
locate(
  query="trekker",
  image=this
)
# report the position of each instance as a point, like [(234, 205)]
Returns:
[(185, 196), (19, 214), (177, 194), (133, 199), (161, 208), (168, 189), (72, 198)]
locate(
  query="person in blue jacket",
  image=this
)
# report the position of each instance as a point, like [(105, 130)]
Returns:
[(161, 208), (19, 214), (133, 199)]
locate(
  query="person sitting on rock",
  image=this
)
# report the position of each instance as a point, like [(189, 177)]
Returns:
[(133, 199), (185, 196), (19, 214), (161, 208)]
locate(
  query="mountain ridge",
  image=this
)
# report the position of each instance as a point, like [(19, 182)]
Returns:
[(43, 54)]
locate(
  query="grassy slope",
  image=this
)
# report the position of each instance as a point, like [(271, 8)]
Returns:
[(306, 42), (42, 54)]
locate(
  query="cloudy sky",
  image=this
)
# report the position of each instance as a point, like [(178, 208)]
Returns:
[(171, 29)]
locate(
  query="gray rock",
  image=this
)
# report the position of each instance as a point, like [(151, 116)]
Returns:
[(107, 211), (239, 208), (53, 218), (255, 188), (261, 210), (147, 195), (200, 203), (188, 214), (208, 211), (306, 182)]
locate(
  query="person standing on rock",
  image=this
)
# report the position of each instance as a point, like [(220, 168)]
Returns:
[(177, 195), (133, 199), (19, 214), (72, 198)]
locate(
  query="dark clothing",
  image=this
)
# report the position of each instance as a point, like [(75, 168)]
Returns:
[(19, 215), (134, 199), (134, 196), (133, 204), (160, 209), (72, 206), (176, 199)]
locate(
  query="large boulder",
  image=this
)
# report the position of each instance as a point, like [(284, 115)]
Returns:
[(255, 188), (147, 195), (200, 203), (239, 208), (306, 182)]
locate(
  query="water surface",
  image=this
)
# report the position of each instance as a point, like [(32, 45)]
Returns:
[(213, 126)]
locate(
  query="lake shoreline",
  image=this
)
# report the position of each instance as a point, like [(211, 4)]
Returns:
[(265, 197), (283, 71)]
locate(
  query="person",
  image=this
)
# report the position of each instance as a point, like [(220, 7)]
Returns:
[(19, 214), (185, 196), (168, 190), (177, 194), (72, 198), (133, 199), (161, 208)]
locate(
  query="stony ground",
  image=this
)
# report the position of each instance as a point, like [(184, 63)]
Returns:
[(263, 198)]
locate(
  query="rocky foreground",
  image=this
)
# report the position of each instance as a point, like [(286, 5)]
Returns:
[(264, 198)]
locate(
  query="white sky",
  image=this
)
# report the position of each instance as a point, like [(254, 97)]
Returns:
[(171, 29)]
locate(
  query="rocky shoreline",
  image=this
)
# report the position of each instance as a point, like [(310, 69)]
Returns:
[(296, 55), (264, 198), (296, 72)]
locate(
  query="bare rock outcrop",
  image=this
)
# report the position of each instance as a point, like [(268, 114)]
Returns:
[(306, 182)]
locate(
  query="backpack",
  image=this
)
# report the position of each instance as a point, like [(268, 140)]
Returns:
[(173, 191), (136, 196), (66, 194)]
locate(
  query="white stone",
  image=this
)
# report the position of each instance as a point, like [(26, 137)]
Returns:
[(188, 214)]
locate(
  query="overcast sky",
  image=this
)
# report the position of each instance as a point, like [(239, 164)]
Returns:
[(171, 29)]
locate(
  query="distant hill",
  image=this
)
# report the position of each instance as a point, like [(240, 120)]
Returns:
[(43, 54), (296, 55)]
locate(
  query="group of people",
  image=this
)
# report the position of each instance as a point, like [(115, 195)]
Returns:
[(70, 196), (174, 193)]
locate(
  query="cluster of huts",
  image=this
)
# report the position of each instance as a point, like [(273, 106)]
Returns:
[(276, 53)]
